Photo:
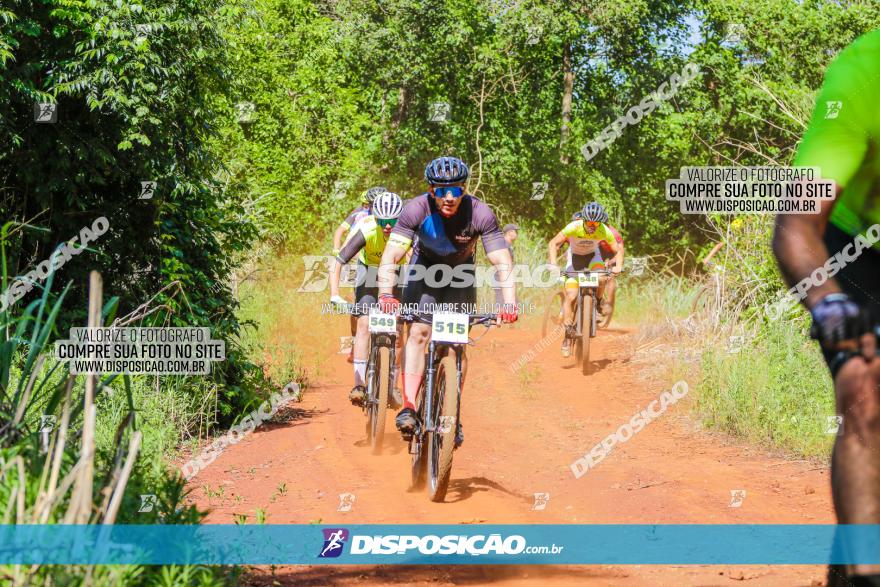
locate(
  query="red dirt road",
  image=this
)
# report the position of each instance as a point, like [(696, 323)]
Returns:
[(522, 431)]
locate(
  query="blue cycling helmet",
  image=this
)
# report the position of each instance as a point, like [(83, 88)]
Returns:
[(446, 171), (594, 212)]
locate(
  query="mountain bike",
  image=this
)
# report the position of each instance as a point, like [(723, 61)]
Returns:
[(553, 314), (439, 408), (586, 319), (379, 375), (843, 355)]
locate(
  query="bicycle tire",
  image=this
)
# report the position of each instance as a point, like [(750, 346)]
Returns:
[(380, 409), (552, 313), (594, 316), (369, 398), (442, 444), (587, 310), (578, 341), (420, 454), (606, 318)]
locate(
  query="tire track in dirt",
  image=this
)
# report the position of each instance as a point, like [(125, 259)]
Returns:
[(522, 432)]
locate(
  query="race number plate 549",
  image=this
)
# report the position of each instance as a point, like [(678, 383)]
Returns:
[(380, 322), (450, 327), (588, 280)]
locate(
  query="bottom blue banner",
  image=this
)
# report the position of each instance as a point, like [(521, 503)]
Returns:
[(440, 544)]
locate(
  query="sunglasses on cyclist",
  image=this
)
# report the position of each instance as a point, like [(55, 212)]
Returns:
[(386, 223), (454, 191)]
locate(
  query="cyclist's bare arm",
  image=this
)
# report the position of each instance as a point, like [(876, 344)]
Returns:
[(615, 248), (618, 258), (335, 276), (553, 246), (503, 263), (799, 249), (388, 267), (337, 236)]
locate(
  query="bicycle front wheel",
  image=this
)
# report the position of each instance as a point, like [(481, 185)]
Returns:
[(587, 330), (370, 398), (441, 441), (419, 447), (380, 405)]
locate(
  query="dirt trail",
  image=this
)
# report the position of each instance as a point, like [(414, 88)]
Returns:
[(521, 435)]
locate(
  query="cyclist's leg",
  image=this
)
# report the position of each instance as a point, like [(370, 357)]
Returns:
[(414, 365), (855, 460), (364, 298), (571, 287), (416, 296)]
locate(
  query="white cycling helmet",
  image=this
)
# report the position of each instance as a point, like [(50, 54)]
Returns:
[(387, 205)]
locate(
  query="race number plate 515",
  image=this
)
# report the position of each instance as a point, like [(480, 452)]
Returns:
[(588, 280), (450, 327), (380, 322)]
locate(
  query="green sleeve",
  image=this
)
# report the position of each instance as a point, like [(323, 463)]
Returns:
[(838, 136)]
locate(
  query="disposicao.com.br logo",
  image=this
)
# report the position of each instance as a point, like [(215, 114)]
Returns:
[(450, 544)]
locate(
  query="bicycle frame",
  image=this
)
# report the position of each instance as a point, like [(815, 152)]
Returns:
[(431, 455), (380, 339), (433, 356), (584, 290)]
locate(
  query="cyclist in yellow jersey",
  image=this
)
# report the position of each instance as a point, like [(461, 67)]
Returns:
[(366, 241), (583, 237), (344, 229), (832, 260)]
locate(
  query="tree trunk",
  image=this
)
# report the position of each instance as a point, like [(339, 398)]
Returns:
[(396, 119), (567, 89), (401, 107)]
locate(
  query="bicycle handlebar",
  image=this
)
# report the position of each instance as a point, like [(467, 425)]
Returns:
[(583, 271), (814, 335), (473, 319)]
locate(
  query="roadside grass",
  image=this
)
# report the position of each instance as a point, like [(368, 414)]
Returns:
[(775, 392), (647, 299), (751, 378), (86, 445), (285, 328)]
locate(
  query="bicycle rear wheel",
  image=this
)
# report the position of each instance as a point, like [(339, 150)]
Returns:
[(380, 407), (441, 442), (553, 313)]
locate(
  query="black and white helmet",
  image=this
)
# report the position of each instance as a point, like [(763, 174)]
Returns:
[(594, 212), (370, 194), (387, 205)]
